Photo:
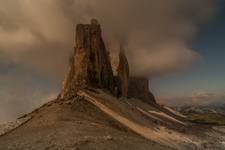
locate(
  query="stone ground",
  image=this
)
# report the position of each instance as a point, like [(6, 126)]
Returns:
[(77, 124), (73, 125)]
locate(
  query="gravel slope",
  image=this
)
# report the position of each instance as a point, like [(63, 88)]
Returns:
[(73, 125), (98, 121)]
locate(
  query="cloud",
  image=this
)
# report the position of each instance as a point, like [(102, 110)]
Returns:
[(37, 37), (202, 95), (206, 98), (155, 32)]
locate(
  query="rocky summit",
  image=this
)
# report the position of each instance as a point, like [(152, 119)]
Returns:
[(90, 63), (90, 66)]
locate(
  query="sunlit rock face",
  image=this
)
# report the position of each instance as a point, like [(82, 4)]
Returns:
[(90, 63)]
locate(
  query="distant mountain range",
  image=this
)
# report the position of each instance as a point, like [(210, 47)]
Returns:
[(197, 109)]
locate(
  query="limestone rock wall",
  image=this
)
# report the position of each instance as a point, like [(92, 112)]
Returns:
[(139, 88), (90, 65), (91, 54)]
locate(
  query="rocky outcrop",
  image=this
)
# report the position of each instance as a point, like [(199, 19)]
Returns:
[(90, 64), (139, 88), (123, 73)]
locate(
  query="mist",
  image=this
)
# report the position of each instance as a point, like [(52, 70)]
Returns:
[(37, 37)]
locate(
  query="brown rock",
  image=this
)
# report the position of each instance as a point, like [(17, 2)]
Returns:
[(90, 64), (139, 88), (123, 74)]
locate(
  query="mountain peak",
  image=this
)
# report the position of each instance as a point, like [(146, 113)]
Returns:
[(90, 63), (90, 66)]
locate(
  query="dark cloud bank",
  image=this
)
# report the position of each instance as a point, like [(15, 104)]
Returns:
[(36, 39)]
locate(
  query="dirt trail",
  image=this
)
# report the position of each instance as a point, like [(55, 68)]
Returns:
[(148, 133)]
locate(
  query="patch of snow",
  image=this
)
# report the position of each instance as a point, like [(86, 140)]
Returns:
[(148, 114), (159, 134), (166, 116), (144, 112), (182, 139), (162, 135), (175, 112)]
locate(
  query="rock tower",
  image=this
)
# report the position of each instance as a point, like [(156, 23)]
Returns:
[(90, 63), (90, 66)]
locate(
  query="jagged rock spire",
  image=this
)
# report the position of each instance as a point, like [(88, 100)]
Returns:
[(90, 63), (123, 72), (90, 67)]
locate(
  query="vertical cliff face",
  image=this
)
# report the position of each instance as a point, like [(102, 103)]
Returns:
[(91, 54), (139, 88), (67, 82), (123, 73), (90, 63), (90, 66)]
